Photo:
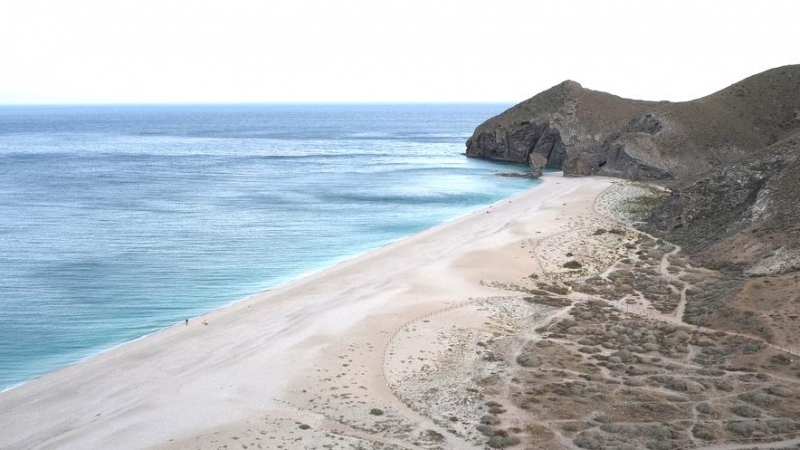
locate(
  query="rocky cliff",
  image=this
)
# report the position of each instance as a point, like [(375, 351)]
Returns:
[(588, 132), (744, 216)]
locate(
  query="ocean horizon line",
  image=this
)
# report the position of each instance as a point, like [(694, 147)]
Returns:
[(298, 103)]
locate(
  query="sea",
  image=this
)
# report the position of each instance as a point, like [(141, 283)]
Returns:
[(118, 221)]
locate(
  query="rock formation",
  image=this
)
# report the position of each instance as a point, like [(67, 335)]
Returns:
[(731, 159), (742, 216), (588, 132)]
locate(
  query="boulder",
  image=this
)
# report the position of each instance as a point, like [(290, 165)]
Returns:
[(537, 161), (578, 166)]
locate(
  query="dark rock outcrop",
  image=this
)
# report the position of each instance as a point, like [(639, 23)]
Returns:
[(581, 164), (559, 124), (745, 216), (584, 132)]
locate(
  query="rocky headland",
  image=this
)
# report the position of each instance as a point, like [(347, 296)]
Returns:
[(588, 132)]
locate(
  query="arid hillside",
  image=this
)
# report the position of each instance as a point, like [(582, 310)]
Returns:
[(589, 132)]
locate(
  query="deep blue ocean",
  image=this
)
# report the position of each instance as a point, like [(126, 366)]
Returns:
[(117, 221)]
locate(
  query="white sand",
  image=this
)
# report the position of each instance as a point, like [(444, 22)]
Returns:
[(313, 352)]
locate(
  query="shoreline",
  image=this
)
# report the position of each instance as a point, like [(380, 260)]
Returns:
[(255, 350), (297, 278)]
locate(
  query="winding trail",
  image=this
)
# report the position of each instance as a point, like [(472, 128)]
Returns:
[(646, 311), (457, 442), (777, 441), (676, 319)]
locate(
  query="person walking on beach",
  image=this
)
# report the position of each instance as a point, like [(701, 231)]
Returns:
[(187, 321)]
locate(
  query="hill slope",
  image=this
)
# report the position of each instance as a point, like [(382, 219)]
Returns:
[(585, 131), (744, 216)]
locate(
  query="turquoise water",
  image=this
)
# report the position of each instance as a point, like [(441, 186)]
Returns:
[(117, 221)]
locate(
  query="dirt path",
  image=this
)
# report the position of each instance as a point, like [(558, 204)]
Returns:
[(647, 311), (452, 441), (676, 319)]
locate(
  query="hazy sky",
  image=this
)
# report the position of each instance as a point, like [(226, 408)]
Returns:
[(83, 51)]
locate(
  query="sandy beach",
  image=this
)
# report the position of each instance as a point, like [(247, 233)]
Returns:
[(332, 360)]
